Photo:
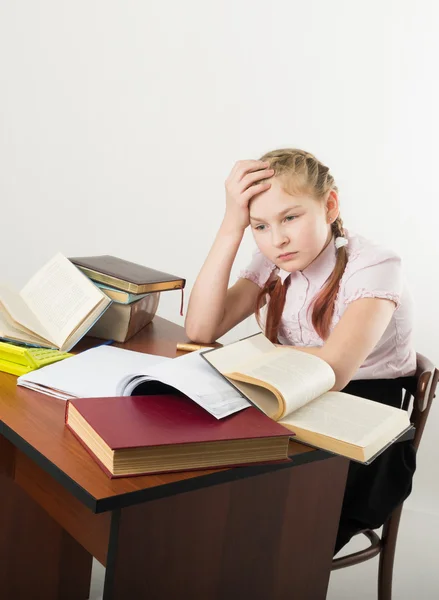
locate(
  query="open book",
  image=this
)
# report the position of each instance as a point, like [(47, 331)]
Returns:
[(55, 309), (107, 371), (292, 387)]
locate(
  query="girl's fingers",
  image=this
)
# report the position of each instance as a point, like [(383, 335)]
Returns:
[(254, 176), (254, 190), (243, 167)]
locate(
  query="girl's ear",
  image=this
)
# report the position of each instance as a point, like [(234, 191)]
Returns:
[(332, 206)]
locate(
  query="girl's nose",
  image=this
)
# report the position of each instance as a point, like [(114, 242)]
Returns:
[(279, 238)]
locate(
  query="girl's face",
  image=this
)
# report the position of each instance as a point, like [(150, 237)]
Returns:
[(291, 231)]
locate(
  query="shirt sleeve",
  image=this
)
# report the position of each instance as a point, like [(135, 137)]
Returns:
[(376, 276), (258, 270)]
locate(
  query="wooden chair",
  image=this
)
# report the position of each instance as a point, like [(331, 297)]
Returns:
[(425, 383)]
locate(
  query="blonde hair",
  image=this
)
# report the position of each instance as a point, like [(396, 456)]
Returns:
[(302, 173)]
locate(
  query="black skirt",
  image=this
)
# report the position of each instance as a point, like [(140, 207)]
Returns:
[(374, 491)]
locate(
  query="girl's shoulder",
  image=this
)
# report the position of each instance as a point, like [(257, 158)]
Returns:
[(363, 252), (373, 271)]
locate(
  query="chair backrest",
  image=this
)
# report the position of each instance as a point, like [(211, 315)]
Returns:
[(427, 377), (421, 388)]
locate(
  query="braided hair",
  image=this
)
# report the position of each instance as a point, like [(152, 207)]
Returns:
[(304, 174)]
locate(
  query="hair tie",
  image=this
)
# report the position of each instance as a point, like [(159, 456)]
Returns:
[(340, 242)]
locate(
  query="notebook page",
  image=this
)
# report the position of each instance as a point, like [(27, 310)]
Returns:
[(90, 374), (193, 376), (61, 296), (300, 377)]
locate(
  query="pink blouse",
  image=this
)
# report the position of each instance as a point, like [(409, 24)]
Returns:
[(372, 271)]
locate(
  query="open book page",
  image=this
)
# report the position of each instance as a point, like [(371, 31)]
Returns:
[(298, 376), (226, 359), (20, 314), (93, 373), (194, 377), (348, 418), (62, 297), (260, 397), (78, 333), (9, 331)]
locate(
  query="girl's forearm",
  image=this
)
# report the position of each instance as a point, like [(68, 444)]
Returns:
[(208, 297)]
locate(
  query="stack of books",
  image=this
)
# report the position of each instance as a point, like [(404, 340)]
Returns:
[(133, 288)]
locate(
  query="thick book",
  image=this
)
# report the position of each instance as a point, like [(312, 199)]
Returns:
[(125, 275), (121, 321), (55, 309), (293, 388), (161, 433), (110, 371)]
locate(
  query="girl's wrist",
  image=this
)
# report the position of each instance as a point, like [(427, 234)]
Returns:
[(231, 228)]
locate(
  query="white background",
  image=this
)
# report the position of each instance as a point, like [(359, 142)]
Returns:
[(119, 122)]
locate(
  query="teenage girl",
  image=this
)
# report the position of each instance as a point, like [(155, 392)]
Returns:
[(317, 288)]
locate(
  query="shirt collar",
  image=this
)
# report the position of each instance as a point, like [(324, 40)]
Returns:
[(283, 275)]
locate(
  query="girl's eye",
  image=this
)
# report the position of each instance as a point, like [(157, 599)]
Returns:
[(290, 218), (260, 227)]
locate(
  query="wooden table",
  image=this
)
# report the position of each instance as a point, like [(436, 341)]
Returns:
[(260, 532)]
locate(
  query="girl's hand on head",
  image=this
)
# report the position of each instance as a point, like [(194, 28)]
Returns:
[(241, 185)]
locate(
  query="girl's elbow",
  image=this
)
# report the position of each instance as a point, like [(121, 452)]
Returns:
[(342, 376), (198, 336), (338, 386), (341, 380)]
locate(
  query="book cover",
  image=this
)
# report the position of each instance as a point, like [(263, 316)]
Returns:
[(125, 275), (144, 421)]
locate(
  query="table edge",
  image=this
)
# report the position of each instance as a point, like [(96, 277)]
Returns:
[(109, 503)]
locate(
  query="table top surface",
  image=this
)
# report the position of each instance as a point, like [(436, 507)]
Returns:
[(34, 423)]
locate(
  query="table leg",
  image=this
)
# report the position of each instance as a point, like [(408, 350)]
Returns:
[(38, 558), (269, 536)]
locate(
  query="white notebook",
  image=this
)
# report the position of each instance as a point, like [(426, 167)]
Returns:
[(109, 371)]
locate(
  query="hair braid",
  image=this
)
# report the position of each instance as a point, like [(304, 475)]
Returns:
[(323, 305), (303, 173)]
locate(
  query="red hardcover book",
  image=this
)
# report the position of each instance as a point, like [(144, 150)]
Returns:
[(139, 435)]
